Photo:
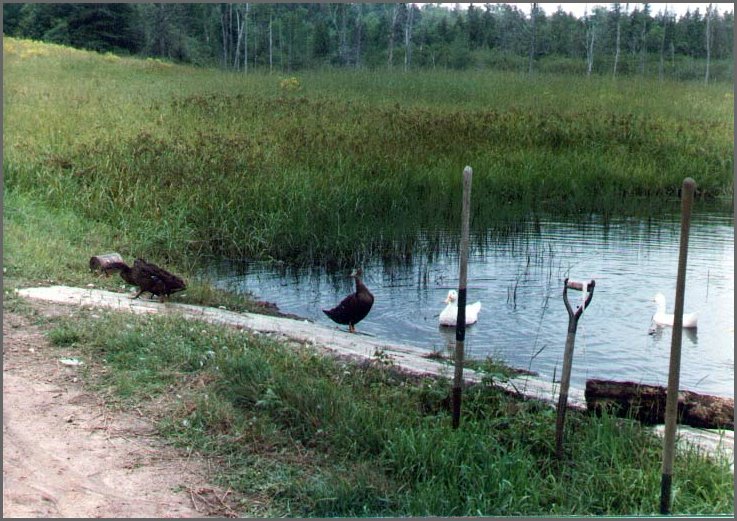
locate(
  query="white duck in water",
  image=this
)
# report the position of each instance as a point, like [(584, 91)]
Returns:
[(449, 315), (661, 318)]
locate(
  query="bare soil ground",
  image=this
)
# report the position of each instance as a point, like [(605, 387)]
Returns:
[(66, 454)]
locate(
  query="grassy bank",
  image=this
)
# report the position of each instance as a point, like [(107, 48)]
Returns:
[(336, 167), (295, 433)]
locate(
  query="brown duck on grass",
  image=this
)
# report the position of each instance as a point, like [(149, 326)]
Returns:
[(354, 307), (149, 278)]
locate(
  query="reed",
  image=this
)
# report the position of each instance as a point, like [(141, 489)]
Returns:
[(184, 162)]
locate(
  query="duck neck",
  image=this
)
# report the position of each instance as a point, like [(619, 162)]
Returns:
[(661, 306), (360, 287)]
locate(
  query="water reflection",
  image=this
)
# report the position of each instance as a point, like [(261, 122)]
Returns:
[(689, 335), (518, 279)]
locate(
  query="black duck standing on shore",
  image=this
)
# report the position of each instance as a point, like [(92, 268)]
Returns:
[(149, 278), (354, 307)]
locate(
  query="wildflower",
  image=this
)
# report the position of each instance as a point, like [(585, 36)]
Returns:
[(290, 84)]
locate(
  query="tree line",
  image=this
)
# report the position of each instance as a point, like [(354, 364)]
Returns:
[(618, 39)]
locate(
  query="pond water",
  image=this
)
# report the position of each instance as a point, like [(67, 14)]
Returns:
[(519, 280)]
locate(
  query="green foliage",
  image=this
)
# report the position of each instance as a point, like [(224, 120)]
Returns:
[(98, 27), (308, 435), (289, 37)]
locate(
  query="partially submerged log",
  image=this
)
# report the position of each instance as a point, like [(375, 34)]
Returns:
[(646, 403)]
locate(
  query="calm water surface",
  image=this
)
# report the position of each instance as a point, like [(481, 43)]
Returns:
[(523, 320)]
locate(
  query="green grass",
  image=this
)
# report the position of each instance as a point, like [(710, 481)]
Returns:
[(296, 433), (336, 167)]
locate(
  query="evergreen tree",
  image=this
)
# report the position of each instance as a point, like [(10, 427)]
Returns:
[(286, 37), (321, 40), (105, 28)]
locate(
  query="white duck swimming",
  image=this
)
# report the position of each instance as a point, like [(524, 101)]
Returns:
[(661, 318), (449, 315)]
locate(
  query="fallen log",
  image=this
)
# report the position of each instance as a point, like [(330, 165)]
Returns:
[(646, 403), (101, 263)]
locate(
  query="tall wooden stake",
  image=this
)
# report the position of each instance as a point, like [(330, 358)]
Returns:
[(671, 399), (461, 319)]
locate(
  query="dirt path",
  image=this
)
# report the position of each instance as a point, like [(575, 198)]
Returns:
[(66, 455)]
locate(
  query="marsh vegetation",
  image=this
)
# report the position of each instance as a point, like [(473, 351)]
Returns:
[(183, 162)]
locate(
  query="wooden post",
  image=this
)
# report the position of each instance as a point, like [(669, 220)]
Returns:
[(461, 319), (671, 399), (565, 379)]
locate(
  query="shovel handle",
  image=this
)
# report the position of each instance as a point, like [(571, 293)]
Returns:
[(577, 285)]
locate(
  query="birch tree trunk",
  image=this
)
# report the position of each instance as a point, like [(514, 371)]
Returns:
[(359, 35), (643, 48), (661, 66), (708, 42), (533, 16), (391, 35), (280, 35), (590, 36), (245, 42), (408, 39), (590, 53), (616, 52), (290, 41), (271, 44), (229, 51), (239, 28), (225, 39), (255, 41), (341, 30)]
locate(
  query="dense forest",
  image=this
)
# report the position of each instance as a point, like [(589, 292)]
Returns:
[(621, 39)]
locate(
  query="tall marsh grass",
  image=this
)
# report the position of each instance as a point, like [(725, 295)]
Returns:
[(185, 162)]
